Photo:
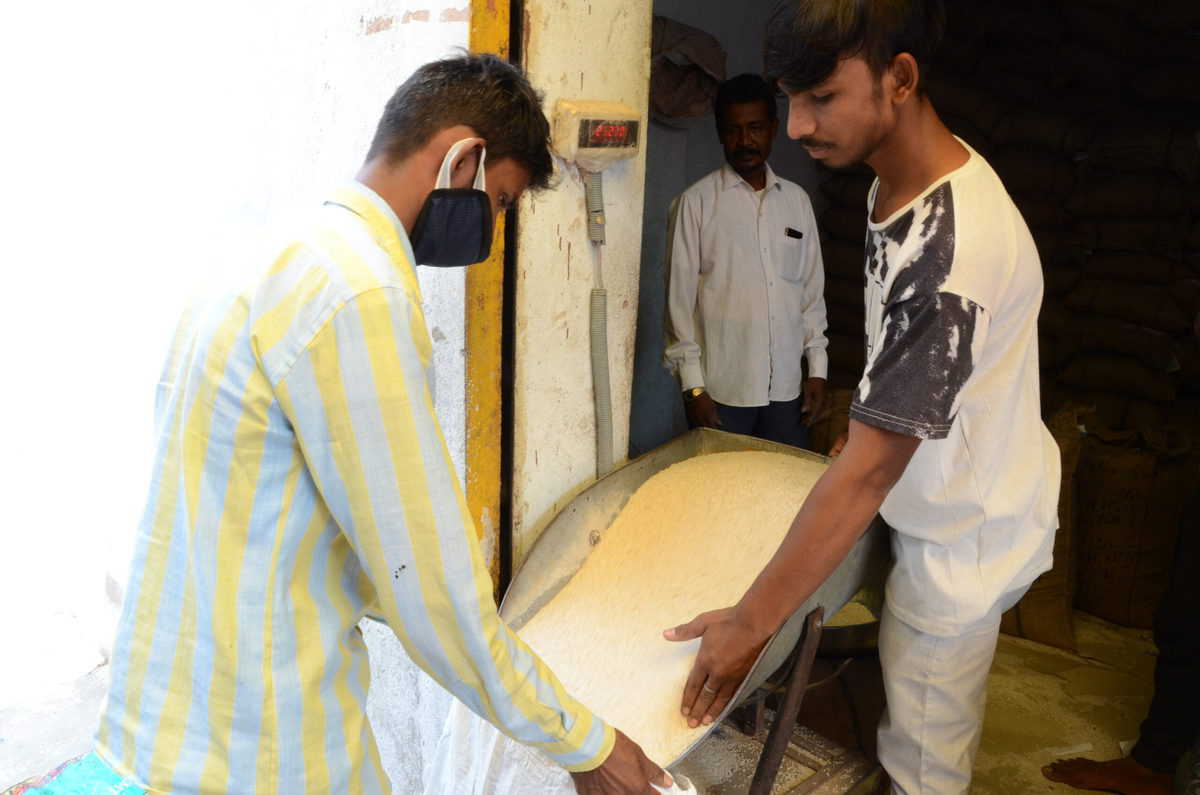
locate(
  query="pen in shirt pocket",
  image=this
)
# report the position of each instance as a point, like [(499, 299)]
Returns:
[(797, 234)]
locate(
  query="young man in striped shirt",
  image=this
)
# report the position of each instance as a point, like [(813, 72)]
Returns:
[(301, 482)]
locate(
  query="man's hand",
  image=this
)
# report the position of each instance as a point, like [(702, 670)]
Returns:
[(816, 401), (728, 649), (702, 411), (627, 771), (838, 445)]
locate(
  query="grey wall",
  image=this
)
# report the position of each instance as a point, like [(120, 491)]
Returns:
[(675, 159)]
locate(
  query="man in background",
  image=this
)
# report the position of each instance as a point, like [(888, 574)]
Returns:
[(745, 298)]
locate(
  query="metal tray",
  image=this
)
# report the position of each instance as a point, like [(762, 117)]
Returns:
[(574, 532)]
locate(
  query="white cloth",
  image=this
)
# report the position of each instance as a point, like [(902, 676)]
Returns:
[(474, 758), (936, 689), (745, 300), (954, 286)]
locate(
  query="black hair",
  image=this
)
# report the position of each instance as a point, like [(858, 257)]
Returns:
[(806, 38), (482, 91), (743, 89)]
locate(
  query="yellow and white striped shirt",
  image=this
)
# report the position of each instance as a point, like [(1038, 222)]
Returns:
[(301, 481)]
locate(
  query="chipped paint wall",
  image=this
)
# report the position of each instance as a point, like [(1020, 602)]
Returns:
[(160, 150), (585, 50)]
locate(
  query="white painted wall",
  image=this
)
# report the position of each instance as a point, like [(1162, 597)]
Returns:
[(595, 50), (150, 150)]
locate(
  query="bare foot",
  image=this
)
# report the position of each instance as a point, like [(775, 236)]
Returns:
[(1124, 776)]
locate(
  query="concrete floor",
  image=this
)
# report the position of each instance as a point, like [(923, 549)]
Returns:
[(1042, 704)]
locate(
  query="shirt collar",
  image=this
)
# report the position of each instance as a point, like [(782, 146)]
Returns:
[(730, 178), (379, 217)]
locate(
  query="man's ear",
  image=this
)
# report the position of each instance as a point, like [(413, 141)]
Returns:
[(905, 75), (465, 164)]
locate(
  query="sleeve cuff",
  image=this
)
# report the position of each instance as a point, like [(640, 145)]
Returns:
[(901, 425), (818, 362), (610, 739), (690, 375)]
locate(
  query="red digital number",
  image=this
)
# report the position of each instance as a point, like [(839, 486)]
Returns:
[(609, 132)]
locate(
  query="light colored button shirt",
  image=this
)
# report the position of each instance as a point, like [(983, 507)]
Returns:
[(301, 482), (745, 301)]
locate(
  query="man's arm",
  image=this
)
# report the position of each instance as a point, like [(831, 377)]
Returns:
[(359, 402), (816, 344), (909, 392), (838, 510), (683, 284)]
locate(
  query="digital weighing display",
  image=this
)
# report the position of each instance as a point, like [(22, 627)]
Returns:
[(603, 133)]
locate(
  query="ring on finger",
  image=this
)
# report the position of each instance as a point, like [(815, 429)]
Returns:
[(708, 689)]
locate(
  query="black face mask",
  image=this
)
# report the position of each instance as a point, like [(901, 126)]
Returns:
[(454, 227)]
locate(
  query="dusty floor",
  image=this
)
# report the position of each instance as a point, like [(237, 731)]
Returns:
[(1044, 703)]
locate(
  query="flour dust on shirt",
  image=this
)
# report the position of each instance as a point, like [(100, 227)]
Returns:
[(919, 335)]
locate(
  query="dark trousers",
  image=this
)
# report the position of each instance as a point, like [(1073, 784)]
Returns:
[(1173, 722), (775, 422)]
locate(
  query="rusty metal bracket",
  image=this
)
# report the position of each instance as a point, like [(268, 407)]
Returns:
[(789, 710)]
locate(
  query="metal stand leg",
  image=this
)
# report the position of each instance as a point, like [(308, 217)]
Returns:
[(789, 710)]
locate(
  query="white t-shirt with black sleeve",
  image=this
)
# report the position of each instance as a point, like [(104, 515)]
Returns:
[(953, 290)]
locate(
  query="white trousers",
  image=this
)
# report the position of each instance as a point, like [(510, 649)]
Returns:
[(936, 688)]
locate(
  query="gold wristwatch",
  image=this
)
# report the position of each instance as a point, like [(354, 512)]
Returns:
[(693, 393)]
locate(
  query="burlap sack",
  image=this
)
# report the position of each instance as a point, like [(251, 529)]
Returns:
[(844, 260), (966, 101), (1188, 355), (1041, 212), (1187, 296), (847, 224), (1127, 196), (1045, 130), (1021, 90), (848, 350), (1087, 70), (1053, 352), (842, 377), (970, 132), (846, 293), (1091, 334), (1106, 28), (1046, 612), (1170, 18), (1039, 62), (1147, 147), (1132, 492), (845, 319), (1106, 409), (1141, 304), (1136, 266), (1122, 375), (848, 190), (1158, 235), (1061, 247), (1022, 26), (1031, 171), (1061, 281), (1145, 415)]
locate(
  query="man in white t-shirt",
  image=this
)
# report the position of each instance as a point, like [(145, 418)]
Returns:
[(745, 302), (946, 441)]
